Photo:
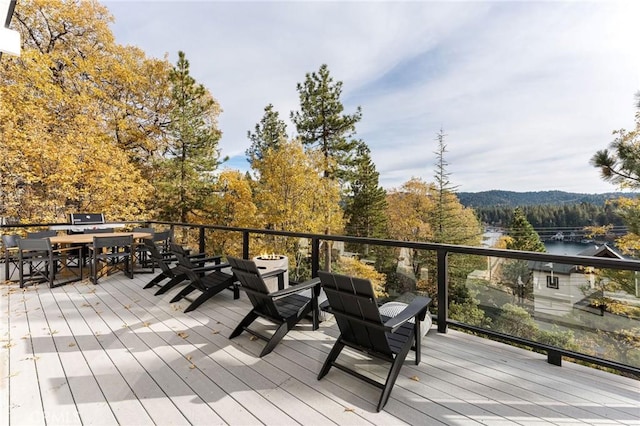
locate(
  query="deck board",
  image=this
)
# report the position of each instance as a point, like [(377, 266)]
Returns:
[(110, 353)]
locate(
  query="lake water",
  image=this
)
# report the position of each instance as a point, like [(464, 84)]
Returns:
[(559, 247), (554, 247)]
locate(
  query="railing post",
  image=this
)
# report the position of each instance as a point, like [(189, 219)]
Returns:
[(315, 256), (245, 244), (201, 242), (443, 291)]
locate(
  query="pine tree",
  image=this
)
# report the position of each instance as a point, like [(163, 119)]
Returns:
[(366, 206), (321, 122), (447, 220), (192, 154), (621, 164), (516, 273), (269, 133), (522, 236), (323, 126)]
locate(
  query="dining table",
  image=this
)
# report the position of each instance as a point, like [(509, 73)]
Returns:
[(71, 239)]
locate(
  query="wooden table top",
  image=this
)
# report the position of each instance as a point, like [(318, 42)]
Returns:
[(88, 238)]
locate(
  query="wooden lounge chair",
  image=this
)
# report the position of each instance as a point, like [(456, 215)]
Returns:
[(353, 303), (209, 279), (284, 307)]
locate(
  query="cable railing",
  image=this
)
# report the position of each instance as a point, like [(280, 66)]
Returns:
[(553, 306)]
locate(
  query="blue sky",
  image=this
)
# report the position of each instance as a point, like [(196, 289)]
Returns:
[(526, 92)]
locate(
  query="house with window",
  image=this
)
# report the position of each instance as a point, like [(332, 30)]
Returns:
[(558, 287)]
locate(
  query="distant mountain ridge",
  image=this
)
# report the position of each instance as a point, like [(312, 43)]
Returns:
[(515, 199)]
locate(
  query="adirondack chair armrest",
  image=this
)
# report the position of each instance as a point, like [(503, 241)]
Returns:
[(416, 309), (272, 273), (208, 268), (200, 258), (313, 282)]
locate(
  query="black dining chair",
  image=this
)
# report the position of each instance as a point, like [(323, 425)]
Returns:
[(45, 263), (111, 254), (11, 255)]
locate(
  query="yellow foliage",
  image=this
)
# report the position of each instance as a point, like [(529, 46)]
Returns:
[(75, 114), (232, 206), (355, 268), (291, 194), (409, 211)]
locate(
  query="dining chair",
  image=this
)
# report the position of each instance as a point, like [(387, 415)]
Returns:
[(11, 255), (111, 254), (45, 262)]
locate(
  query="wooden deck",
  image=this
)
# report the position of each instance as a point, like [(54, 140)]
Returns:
[(116, 354)]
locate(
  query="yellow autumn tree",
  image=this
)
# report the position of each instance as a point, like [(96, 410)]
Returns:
[(357, 268), (409, 210), (231, 205), (291, 195), (68, 109)]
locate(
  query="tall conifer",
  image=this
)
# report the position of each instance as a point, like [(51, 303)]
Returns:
[(366, 206)]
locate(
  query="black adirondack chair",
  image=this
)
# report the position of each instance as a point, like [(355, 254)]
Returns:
[(353, 303), (173, 272), (209, 279), (284, 307), (167, 269)]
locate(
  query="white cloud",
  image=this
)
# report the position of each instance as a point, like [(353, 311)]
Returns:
[(526, 92)]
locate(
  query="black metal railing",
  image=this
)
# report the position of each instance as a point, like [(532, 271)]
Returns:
[(554, 353)]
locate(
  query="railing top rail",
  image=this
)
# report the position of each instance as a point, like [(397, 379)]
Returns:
[(627, 264)]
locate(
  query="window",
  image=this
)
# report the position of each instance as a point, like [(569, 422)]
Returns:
[(552, 282)]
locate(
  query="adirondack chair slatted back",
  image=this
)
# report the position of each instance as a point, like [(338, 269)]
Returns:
[(248, 274), (157, 256), (181, 256), (354, 305)]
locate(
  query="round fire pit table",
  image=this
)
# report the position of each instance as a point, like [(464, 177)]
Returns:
[(271, 262)]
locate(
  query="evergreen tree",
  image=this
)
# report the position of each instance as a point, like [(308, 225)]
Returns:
[(516, 273), (522, 236), (321, 122), (192, 154), (366, 206), (621, 164), (451, 223), (323, 126), (269, 133)]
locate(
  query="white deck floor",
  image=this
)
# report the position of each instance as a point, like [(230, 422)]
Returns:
[(116, 354)]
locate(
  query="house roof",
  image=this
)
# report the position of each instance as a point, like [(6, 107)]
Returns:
[(603, 251)]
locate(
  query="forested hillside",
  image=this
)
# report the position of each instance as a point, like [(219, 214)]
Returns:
[(554, 216), (545, 209), (520, 199)]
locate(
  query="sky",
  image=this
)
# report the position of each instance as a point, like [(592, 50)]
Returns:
[(526, 92)]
